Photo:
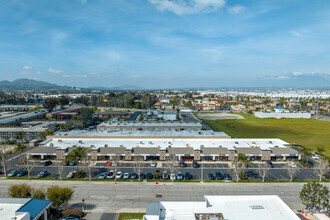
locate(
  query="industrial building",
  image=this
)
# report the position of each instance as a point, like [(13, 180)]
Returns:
[(269, 207), (163, 145)]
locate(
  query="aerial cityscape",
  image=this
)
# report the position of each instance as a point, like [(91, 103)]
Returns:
[(164, 110)]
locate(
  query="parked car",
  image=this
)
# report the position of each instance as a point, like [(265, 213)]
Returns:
[(119, 175), (153, 164), (211, 176), (47, 163), (315, 156), (13, 173), (183, 164), (73, 163), (270, 164), (134, 175), (108, 164), (165, 175), (81, 174), (111, 174), (102, 175), (292, 164), (172, 176), (180, 176), (142, 176), (228, 177), (43, 173), (149, 176), (219, 176), (188, 176), (157, 175), (71, 217), (22, 172), (126, 176), (195, 164), (71, 174)]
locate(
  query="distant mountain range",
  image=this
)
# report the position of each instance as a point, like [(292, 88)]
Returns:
[(30, 84)]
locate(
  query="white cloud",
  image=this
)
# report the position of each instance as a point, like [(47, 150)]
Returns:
[(83, 1), (214, 53), (181, 7), (236, 9), (295, 75), (26, 67), (113, 55), (54, 70), (135, 76), (301, 33), (66, 76)]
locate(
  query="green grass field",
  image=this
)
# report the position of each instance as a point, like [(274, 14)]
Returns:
[(126, 216), (309, 133)]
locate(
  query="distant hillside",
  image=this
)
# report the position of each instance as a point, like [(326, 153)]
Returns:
[(29, 84), (123, 87)]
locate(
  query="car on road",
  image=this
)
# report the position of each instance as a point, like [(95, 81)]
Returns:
[(153, 164), (270, 164), (71, 174), (111, 174), (72, 163), (211, 176), (183, 164), (13, 173), (149, 176), (228, 177), (47, 163), (165, 175), (126, 176), (292, 164), (102, 175), (188, 176), (180, 176), (219, 176), (195, 164), (134, 175), (119, 175), (43, 173), (143, 176), (22, 172)]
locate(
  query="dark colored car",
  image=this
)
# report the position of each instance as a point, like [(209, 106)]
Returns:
[(149, 176), (228, 177), (71, 217), (188, 176), (47, 163), (13, 173), (157, 175), (195, 164), (81, 174), (270, 164), (183, 164), (142, 176), (134, 175), (211, 176), (180, 176), (73, 163), (22, 172), (43, 173), (219, 176)]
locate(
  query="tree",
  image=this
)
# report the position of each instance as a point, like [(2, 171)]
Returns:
[(137, 165), (63, 100), (78, 154), (50, 104), (262, 170), (4, 153), (26, 162), (20, 147), (60, 167), (315, 197), (305, 153), (86, 115), (240, 163), (38, 193), (322, 168), (21, 135), (292, 170), (60, 196), (172, 164), (20, 191)]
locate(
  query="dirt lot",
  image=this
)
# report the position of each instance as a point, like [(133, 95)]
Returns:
[(216, 116)]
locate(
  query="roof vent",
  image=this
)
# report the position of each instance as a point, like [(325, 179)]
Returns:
[(236, 142), (60, 141), (256, 207)]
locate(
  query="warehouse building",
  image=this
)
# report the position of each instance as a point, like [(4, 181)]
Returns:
[(163, 145)]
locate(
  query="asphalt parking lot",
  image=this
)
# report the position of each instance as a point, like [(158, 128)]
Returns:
[(279, 172)]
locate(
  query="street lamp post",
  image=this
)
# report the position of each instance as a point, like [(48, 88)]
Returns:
[(202, 171), (83, 205)]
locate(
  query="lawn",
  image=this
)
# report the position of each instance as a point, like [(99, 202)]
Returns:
[(309, 133), (126, 216)]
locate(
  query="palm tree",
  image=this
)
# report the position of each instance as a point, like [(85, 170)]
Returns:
[(20, 147), (42, 135), (78, 154), (305, 153), (20, 135), (241, 162)]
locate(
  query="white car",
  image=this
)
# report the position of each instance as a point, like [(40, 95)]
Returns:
[(172, 176), (119, 175), (292, 164), (111, 174), (126, 176), (315, 156), (153, 164)]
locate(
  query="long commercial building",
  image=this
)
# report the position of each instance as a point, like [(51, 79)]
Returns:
[(163, 145)]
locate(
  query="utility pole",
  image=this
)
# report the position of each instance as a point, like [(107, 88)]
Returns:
[(317, 108), (202, 171)]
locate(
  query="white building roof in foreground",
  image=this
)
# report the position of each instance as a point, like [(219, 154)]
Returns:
[(9, 206), (268, 207), (150, 124)]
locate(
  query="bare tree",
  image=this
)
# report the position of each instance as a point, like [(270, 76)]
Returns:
[(322, 168), (27, 163), (87, 164), (172, 164), (137, 165), (4, 153), (262, 170), (292, 170), (116, 164), (60, 167), (239, 164)]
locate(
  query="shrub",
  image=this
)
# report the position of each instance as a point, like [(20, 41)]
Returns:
[(38, 194), (73, 211), (20, 191), (60, 196)]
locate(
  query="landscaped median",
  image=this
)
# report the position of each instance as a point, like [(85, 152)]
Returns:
[(126, 216)]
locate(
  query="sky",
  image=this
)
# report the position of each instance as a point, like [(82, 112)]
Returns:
[(167, 43)]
